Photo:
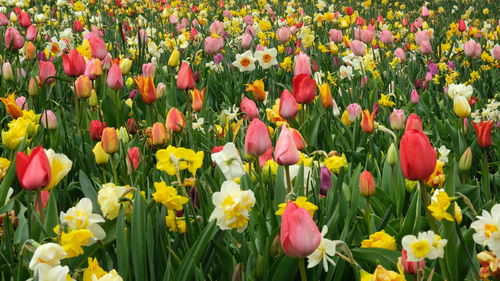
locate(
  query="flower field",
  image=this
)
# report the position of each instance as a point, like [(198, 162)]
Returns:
[(249, 140)]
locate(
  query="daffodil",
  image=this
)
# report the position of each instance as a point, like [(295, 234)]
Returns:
[(109, 197), (81, 217), (232, 206), (426, 245), (301, 202), (266, 58), (48, 253), (167, 195), (324, 253), (4, 166), (229, 161), (440, 202), (73, 241), (380, 239), (245, 61), (334, 163), (175, 223), (93, 270), (487, 227)]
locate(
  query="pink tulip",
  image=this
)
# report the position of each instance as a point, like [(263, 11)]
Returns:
[(173, 19), (425, 12), (414, 96), (410, 267), (358, 47), (73, 63), (299, 234), (496, 52), (472, 49), (397, 119), (385, 37), (422, 35), (3, 20), (302, 64), (148, 69), (213, 45), (425, 47), (97, 46), (353, 111), (13, 39), (246, 40), (45, 71), (93, 69), (217, 27), (335, 35), (288, 105), (21, 102), (115, 78), (185, 80), (257, 140), (400, 54), (249, 107), (31, 33), (283, 34), (367, 35), (248, 20), (49, 120), (285, 152)]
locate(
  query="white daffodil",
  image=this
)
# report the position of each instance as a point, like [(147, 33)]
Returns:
[(50, 254), (45, 272), (487, 229), (245, 61), (266, 58), (345, 72), (443, 153), (324, 252), (81, 217), (232, 206), (427, 245), (109, 199), (110, 276), (229, 162)]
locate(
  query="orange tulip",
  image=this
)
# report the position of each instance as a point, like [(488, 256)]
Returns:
[(147, 88), (175, 120), (110, 142), (11, 106), (325, 95), (197, 96), (257, 88), (368, 121)]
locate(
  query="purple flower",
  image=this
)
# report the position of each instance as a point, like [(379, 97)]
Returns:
[(325, 178), (433, 68), (451, 65), (218, 58)]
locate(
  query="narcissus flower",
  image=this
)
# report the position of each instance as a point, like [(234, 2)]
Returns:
[(167, 195), (301, 202), (266, 58), (381, 273), (380, 239), (109, 197), (81, 217), (487, 227), (173, 160), (334, 163), (49, 253), (426, 245), (324, 252), (245, 61), (73, 241), (437, 178), (229, 161), (93, 269), (232, 206)]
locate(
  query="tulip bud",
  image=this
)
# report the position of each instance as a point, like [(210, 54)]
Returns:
[(131, 126), (133, 159), (110, 142), (7, 73), (185, 78), (49, 120), (286, 152), (458, 213), (160, 90), (123, 135), (466, 160), (125, 66), (130, 82), (259, 267), (397, 119), (366, 184), (392, 155), (174, 59), (83, 87), (93, 98), (30, 51), (461, 106), (33, 87), (257, 139), (159, 134), (237, 272), (101, 157), (175, 120), (325, 177), (275, 246), (288, 105)]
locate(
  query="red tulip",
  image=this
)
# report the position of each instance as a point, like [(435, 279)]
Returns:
[(115, 78), (483, 131), (33, 171), (77, 26), (96, 128), (31, 33), (249, 107), (133, 159), (299, 235), (185, 78), (304, 88), (257, 140), (175, 120), (73, 63), (286, 152), (45, 71), (24, 19), (417, 156), (461, 25), (413, 122), (288, 105)]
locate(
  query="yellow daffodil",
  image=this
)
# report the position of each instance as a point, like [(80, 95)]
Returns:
[(380, 240), (167, 195), (301, 202)]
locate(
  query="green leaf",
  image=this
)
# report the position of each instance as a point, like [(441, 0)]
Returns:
[(410, 221), (286, 269), (193, 256), (122, 251), (376, 256), (51, 216), (89, 191), (137, 238)]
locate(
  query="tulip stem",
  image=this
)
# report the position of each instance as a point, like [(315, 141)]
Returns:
[(113, 167), (302, 267), (288, 182), (427, 202)]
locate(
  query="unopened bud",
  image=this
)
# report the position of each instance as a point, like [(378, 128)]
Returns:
[(465, 160), (392, 155), (367, 185), (33, 87)]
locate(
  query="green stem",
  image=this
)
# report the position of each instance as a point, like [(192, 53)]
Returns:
[(302, 267), (427, 202), (368, 216), (288, 181), (113, 167)]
